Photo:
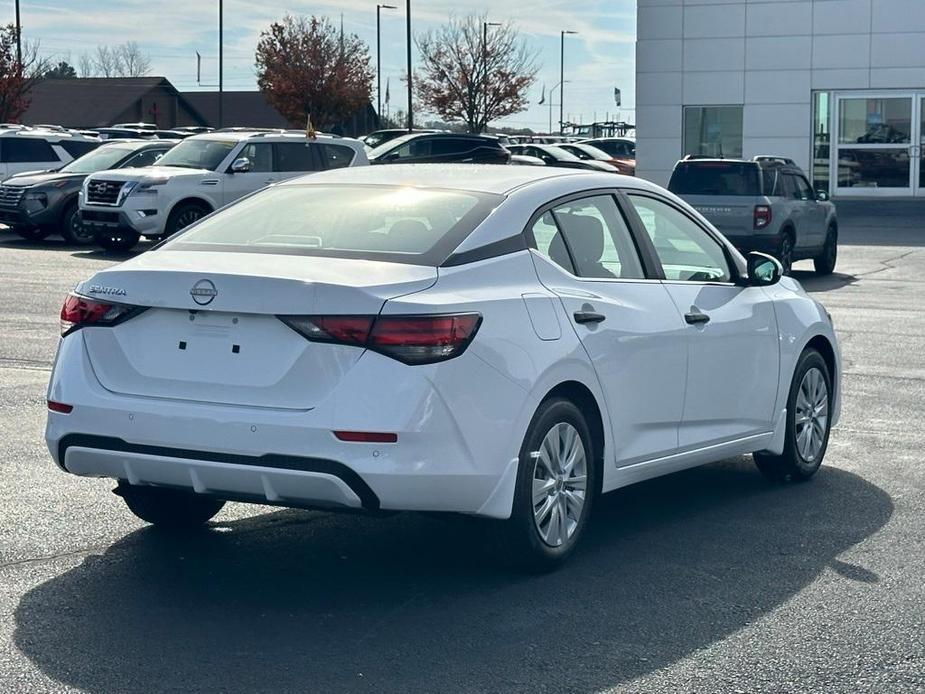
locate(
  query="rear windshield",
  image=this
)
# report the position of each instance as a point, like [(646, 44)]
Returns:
[(391, 223), (715, 178)]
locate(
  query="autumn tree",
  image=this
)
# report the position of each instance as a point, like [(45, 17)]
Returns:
[(307, 66), (474, 73), (17, 79)]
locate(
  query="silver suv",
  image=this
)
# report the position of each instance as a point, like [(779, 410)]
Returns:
[(762, 204)]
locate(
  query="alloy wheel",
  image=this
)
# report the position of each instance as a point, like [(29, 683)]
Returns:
[(812, 415), (560, 480)]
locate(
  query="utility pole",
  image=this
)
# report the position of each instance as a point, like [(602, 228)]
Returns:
[(485, 26), (18, 38), (562, 73), (379, 61), (221, 82), (408, 32)]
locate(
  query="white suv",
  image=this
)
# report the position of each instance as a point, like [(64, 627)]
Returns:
[(39, 149), (200, 175)]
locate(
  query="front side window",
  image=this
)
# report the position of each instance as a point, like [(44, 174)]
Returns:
[(685, 250), (713, 131), (260, 155), (589, 238)]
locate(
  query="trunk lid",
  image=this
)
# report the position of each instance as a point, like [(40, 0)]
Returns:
[(211, 332), (733, 215)]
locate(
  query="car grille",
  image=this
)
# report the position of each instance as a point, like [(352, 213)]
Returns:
[(104, 192), (11, 195)]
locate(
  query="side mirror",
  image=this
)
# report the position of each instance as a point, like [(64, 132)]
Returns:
[(821, 195), (241, 165), (763, 270)]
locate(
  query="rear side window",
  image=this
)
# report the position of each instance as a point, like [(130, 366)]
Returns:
[(20, 150), (78, 149), (589, 238), (715, 178), (335, 156), (372, 222), (296, 156)]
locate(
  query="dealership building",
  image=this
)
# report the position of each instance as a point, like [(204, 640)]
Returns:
[(836, 85)]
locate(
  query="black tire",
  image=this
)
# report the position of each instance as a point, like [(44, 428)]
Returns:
[(118, 240), (33, 233), (785, 252), (825, 261), (522, 543), (170, 509), (72, 230), (792, 465), (183, 215)]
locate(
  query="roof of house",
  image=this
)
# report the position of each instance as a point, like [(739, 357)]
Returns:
[(89, 102), (245, 109)]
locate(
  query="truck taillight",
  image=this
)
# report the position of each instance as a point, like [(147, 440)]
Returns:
[(416, 339), (762, 216), (79, 311)]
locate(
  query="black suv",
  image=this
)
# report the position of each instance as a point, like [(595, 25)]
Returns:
[(38, 204), (441, 148)]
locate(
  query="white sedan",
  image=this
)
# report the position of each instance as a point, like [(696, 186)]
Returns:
[(506, 342)]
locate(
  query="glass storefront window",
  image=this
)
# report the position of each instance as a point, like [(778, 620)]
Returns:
[(822, 123), (713, 131), (875, 121)]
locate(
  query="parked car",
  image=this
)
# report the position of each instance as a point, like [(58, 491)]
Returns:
[(443, 338), (554, 155), (40, 149), (38, 204), (380, 137), (199, 175), (621, 148), (764, 204), (592, 153), (440, 148)]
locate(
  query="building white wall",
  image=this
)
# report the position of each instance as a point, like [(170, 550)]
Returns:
[(769, 56)]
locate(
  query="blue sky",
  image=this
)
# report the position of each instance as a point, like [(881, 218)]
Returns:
[(599, 58)]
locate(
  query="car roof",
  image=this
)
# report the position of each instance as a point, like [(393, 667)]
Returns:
[(498, 179), (274, 135)]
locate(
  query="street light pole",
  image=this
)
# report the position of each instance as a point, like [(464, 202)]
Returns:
[(379, 61), (18, 38), (562, 74), (221, 82), (550, 104), (408, 33), (485, 26)]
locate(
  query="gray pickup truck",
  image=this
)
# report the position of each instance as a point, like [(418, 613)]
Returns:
[(762, 204)]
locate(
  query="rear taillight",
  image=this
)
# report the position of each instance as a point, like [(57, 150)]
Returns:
[(78, 311), (762, 216), (409, 339)]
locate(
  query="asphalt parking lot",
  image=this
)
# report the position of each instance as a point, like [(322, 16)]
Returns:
[(710, 580)]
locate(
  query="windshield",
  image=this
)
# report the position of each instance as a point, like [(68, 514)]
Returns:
[(715, 178), (371, 222), (589, 152), (100, 159), (559, 153), (198, 154)]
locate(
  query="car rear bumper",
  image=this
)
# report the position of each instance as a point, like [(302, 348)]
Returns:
[(455, 459)]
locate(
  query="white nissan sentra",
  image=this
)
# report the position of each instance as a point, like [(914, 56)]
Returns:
[(500, 341)]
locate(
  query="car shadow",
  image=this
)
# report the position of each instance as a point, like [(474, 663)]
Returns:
[(813, 283), (299, 601)]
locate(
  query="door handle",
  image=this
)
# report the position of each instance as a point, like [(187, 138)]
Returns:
[(696, 318), (582, 317)]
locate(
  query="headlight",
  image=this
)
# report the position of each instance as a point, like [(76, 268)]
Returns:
[(147, 187), (35, 201)]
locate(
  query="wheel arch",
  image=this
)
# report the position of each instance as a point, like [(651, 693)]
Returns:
[(821, 344), (584, 400), (192, 200), (65, 204)]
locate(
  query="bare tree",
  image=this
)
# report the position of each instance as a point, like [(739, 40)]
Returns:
[(473, 73), (17, 79), (124, 60)]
